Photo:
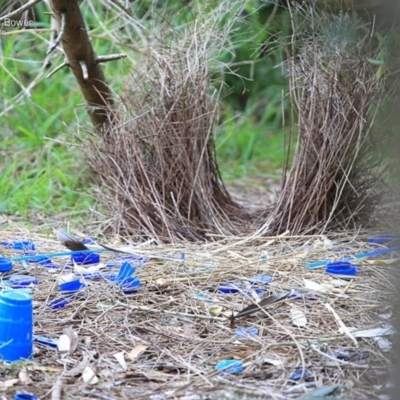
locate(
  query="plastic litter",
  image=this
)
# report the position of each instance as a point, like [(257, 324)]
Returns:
[(230, 366), (46, 341), (382, 239), (299, 373), (58, 303), (16, 325), (24, 245), (72, 286), (341, 268), (229, 288), (246, 332), (323, 263), (25, 396), (260, 279), (5, 264), (85, 259), (21, 281)]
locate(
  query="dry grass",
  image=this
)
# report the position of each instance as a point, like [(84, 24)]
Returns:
[(157, 168), (334, 181), (170, 317)]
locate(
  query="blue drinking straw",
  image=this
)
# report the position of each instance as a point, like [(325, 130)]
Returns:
[(321, 264)]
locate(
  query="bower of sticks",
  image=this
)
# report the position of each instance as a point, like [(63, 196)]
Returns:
[(198, 305)]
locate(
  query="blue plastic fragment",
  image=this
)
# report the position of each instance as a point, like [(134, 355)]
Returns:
[(58, 303), (382, 239), (21, 281), (323, 263), (85, 259), (130, 285), (92, 276), (253, 291), (299, 373), (230, 366), (260, 279), (295, 295), (341, 268), (25, 396), (229, 288), (182, 256), (89, 241), (46, 341), (246, 332), (5, 264), (126, 271), (71, 286), (24, 245)]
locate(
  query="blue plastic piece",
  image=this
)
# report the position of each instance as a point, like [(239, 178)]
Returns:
[(382, 239), (126, 271), (321, 264), (25, 396), (260, 279), (255, 290), (229, 289), (299, 373), (16, 325), (72, 286), (91, 276), (5, 264), (21, 281), (85, 259), (58, 303), (341, 268), (89, 241), (42, 260), (295, 295), (246, 332), (24, 245), (182, 256), (230, 366), (130, 285), (46, 341)]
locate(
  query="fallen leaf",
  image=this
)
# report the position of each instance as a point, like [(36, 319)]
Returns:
[(298, 317), (89, 376), (137, 351), (120, 357)]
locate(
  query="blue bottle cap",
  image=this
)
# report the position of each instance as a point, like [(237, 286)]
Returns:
[(71, 286), (85, 259), (16, 325), (25, 396), (5, 264), (58, 303), (230, 366), (341, 268), (130, 285), (229, 288), (126, 271), (21, 281), (382, 239), (260, 279), (246, 332)]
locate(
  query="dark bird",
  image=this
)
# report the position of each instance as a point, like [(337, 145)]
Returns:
[(70, 242)]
